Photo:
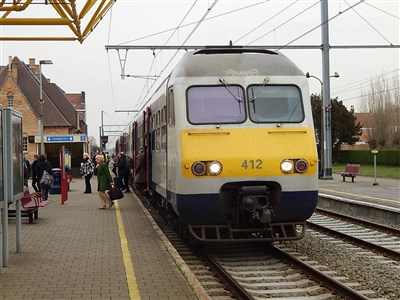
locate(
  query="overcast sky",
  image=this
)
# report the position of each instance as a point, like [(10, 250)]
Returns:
[(89, 67)]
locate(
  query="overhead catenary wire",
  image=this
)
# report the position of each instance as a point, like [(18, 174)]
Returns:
[(177, 51), (284, 23), (192, 23), (369, 23), (357, 84)]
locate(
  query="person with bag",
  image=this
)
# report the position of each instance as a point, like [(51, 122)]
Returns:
[(124, 172), (44, 175), (86, 170), (104, 182)]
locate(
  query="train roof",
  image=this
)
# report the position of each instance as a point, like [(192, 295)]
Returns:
[(228, 61)]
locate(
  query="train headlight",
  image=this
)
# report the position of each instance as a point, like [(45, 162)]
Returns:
[(287, 166), (301, 166), (198, 168), (214, 168)]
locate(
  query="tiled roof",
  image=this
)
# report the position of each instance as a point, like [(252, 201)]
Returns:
[(57, 110), (77, 100)]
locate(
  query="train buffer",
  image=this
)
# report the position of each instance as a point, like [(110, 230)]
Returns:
[(350, 171)]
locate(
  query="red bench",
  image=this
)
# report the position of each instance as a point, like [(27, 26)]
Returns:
[(350, 171), (31, 203)]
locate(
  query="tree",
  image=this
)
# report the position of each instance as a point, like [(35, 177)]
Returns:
[(345, 128), (381, 103)]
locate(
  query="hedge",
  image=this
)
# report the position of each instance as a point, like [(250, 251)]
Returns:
[(390, 157)]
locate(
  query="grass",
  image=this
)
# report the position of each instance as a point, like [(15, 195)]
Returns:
[(368, 170)]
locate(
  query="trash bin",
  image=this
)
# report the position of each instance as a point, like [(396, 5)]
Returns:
[(56, 187)]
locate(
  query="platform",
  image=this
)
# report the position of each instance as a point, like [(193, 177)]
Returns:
[(382, 191), (75, 251), (376, 200)]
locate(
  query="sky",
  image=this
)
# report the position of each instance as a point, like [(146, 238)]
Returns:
[(90, 68)]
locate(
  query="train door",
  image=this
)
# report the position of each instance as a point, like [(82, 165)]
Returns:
[(147, 145)]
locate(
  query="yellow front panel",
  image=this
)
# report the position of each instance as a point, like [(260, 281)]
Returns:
[(248, 152)]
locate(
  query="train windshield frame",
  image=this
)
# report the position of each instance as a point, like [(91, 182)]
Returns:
[(215, 104), (275, 104)]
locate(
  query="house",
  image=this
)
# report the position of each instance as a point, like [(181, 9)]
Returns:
[(63, 114)]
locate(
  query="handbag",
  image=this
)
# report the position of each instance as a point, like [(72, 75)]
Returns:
[(115, 194), (47, 179)]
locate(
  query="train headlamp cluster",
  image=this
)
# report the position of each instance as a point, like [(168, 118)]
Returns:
[(201, 168), (289, 166)]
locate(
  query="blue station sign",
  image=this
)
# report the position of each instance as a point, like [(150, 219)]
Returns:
[(66, 138), (59, 138)]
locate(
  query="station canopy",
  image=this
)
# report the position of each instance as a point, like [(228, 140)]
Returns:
[(64, 20)]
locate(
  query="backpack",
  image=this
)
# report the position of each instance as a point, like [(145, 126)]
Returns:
[(128, 162), (46, 179)]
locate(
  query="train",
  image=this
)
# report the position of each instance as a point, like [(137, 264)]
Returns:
[(229, 146)]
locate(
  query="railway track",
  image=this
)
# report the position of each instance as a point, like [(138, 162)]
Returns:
[(380, 239), (248, 271)]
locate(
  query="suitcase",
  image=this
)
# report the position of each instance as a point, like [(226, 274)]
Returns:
[(118, 182)]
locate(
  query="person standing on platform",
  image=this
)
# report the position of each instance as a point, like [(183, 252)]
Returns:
[(86, 170), (34, 175), (124, 172), (43, 165), (140, 170), (27, 171), (104, 182)]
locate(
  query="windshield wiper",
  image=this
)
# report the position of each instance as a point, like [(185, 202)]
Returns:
[(228, 87), (254, 97)]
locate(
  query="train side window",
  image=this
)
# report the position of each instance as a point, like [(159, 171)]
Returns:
[(170, 108), (163, 128), (158, 131)]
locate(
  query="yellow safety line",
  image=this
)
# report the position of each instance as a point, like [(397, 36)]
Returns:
[(362, 196), (126, 255)]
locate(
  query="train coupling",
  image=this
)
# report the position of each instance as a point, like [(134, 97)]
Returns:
[(255, 201)]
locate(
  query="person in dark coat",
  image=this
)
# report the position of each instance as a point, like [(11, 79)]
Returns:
[(123, 171), (104, 182), (86, 170), (41, 166), (140, 170), (34, 175), (27, 171)]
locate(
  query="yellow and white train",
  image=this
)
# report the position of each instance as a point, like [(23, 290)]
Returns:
[(230, 152)]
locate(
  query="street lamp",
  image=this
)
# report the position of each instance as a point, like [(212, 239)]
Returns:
[(42, 62), (323, 134)]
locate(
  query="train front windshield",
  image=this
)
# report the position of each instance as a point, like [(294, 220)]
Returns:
[(216, 104), (272, 104), (226, 104)]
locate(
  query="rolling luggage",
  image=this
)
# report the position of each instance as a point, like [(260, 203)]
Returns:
[(118, 182)]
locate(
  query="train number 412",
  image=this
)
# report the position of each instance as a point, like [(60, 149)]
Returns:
[(252, 164)]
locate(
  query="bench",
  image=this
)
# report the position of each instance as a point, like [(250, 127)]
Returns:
[(30, 204), (350, 171)]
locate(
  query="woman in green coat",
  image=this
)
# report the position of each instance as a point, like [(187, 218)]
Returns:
[(105, 182)]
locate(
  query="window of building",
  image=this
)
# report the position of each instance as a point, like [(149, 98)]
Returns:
[(10, 99), (25, 143)]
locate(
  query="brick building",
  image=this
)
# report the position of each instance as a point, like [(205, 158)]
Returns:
[(63, 114)]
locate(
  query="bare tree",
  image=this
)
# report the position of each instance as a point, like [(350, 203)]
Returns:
[(382, 104)]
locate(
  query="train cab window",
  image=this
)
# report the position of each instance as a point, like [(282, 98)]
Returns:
[(271, 104), (215, 104)]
